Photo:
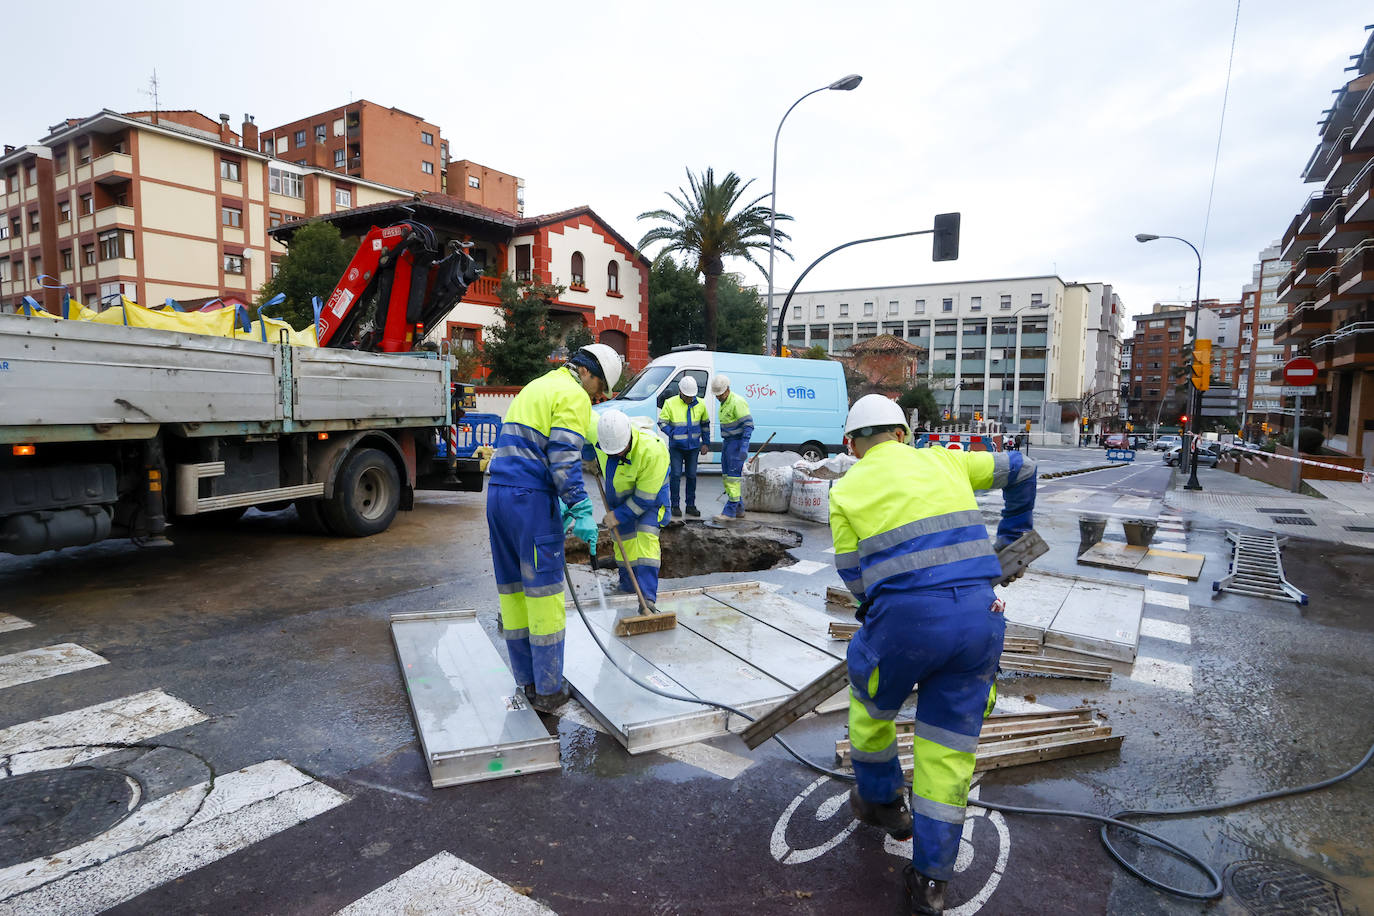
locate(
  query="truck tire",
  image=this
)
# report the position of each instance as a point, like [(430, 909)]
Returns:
[(367, 494), (813, 451), (311, 515)]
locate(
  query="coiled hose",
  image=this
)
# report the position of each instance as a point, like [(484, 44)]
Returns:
[(1117, 819)]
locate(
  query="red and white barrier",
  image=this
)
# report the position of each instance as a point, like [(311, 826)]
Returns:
[(1364, 475)]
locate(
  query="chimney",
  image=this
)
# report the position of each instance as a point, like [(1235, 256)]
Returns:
[(250, 133), (225, 134)]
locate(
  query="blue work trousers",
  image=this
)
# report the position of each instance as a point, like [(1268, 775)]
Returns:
[(683, 461), (946, 641)]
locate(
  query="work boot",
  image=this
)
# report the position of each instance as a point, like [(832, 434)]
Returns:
[(926, 895), (694, 512), (739, 509), (529, 692), (894, 817), (677, 512), (549, 702)]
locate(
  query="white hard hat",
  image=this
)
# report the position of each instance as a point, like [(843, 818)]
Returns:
[(872, 412), (687, 387), (720, 384), (609, 361), (613, 432)]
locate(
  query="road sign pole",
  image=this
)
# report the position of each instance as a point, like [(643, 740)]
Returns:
[(1296, 485)]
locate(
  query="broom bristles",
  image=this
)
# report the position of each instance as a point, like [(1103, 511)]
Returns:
[(645, 623)]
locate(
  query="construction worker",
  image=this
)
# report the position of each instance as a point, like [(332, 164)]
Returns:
[(634, 464), (736, 428), (534, 494), (687, 424), (911, 545)]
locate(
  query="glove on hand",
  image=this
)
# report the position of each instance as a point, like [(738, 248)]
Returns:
[(861, 613), (582, 524)]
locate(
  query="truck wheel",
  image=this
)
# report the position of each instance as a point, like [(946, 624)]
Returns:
[(311, 515), (813, 451), (366, 495)]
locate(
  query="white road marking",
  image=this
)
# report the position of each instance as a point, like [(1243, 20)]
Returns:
[(128, 719), (805, 567), (1161, 577), (711, 759), (1159, 673), (263, 800), (1132, 503), (445, 884), (828, 550), (1163, 629), (8, 623), (49, 661), (1166, 599), (1180, 546)]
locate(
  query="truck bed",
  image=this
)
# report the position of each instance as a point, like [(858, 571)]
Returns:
[(69, 380)]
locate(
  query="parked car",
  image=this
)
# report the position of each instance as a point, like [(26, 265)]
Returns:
[(1164, 443), (1208, 454), (1117, 440)]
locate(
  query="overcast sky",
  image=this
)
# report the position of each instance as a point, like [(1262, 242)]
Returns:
[(1058, 129)]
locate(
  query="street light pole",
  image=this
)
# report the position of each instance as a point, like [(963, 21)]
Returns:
[(1194, 396), (844, 83)]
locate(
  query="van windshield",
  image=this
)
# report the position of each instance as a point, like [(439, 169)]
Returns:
[(644, 384)]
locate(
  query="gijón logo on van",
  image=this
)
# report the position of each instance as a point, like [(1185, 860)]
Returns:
[(797, 393)]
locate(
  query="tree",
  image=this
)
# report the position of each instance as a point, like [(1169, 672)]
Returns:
[(922, 399), (517, 348), (578, 337), (316, 259), (743, 317), (815, 351), (709, 225), (675, 307)]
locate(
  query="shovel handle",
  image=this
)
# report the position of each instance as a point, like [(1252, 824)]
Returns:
[(754, 459), (615, 534)]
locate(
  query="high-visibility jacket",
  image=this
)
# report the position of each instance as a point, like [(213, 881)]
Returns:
[(540, 443), (735, 420), (906, 519), (687, 424), (637, 485)]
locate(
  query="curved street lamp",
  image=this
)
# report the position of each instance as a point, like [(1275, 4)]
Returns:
[(844, 83), (1194, 398)]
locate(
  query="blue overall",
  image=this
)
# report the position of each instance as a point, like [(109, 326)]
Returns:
[(687, 424)]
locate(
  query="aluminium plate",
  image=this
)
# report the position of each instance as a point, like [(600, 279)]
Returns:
[(1032, 601), (473, 723), (1099, 620)]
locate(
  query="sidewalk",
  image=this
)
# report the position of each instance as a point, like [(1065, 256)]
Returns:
[(1346, 516)]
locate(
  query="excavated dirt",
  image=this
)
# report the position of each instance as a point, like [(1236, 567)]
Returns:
[(695, 549)]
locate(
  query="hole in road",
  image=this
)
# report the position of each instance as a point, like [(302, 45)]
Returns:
[(697, 548)]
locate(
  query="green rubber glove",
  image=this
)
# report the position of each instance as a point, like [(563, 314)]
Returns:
[(583, 525)]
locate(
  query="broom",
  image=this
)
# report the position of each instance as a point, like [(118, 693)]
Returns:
[(651, 620)]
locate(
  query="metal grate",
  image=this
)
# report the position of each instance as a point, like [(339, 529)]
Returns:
[(1283, 510), (1293, 520), (1361, 528)]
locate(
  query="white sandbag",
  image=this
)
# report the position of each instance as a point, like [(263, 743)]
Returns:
[(832, 468), (773, 460), (810, 497), (766, 490)]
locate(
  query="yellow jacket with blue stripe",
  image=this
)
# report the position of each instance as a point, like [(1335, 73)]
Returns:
[(687, 424), (540, 443), (637, 485), (905, 519), (736, 422)]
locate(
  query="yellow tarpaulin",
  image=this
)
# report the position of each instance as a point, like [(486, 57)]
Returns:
[(219, 323)]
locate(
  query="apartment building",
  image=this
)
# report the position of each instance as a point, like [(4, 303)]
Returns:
[(1157, 368), (154, 205), (1262, 314), (485, 186), (1328, 292), (1014, 348), (368, 141)]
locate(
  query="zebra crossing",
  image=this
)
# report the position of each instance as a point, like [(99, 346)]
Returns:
[(1166, 635), (170, 813)]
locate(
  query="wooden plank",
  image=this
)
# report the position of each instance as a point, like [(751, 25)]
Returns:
[(1026, 645), (998, 757), (998, 744)]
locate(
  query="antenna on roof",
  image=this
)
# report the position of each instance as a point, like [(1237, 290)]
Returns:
[(151, 91)]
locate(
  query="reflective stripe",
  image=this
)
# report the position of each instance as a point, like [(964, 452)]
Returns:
[(544, 591), (883, 756), (528, 433), (847, 560), (938, 811), (518, 451), (567, 437), (650, 527), (872, 708), (547, 639), (644, 496), (966, 744), (1001, 469), (1027, 471), (645, 561), (948, 522), (522, 633), (510, 588), (925, 559)]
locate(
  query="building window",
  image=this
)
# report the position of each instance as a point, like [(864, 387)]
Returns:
[(87, 204), (1004, 302), (474, 182), (33, 220), (426, 138), (975, 303), (796, 312), (267, 146), (4, 270), (233, 264), (343, 197), (274, 219), (1037, 300), (579, 269), (892, 307), (231, 216), (114, 244), (88, 255), (83, 152), (868, 309), (522, 263), (66, 259), (36, 266), (276, 267), (844, 309), (613, 277), (60, 163), (228, 170), (288, 184), (820, 311), (64, 211), (427, 167), (321, 132), (339, 158), (300, 139), (946, 305), (920, 306), (31, 175)]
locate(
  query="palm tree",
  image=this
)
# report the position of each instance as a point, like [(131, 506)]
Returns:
[(707, 225)]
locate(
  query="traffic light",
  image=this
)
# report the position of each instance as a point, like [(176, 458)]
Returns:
[(1183, 419), (977, 415), (945, 415), (1202, 364), (945, 246)]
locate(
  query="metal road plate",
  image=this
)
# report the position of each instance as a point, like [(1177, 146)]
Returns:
[(1032, 601), (1099, 620), (1172, 563), (473, 723), (1113, 555)]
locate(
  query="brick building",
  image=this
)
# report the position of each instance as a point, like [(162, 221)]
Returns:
[(365, 140), (887, 363), (1156, 355)]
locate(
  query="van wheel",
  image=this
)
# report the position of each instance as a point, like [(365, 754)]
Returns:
[(367, 494), (813, 451)]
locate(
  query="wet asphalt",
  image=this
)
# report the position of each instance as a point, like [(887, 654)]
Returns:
[(281, 639)]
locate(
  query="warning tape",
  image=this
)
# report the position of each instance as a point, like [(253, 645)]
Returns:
[(1364, 475)]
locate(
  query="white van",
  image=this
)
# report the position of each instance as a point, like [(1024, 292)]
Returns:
[(801, 402)]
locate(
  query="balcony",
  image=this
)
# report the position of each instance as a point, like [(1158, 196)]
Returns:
[(1298, 283), (1356, 278), (1299, 236), (117, 267), (1354, 347), (114, 216), (1359, 196), (1327, 155), (113, 168), (484, 291), (1304, 324)]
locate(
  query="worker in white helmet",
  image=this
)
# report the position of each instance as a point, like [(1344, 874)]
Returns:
[(534, 494), (911, 545), (686, 422), (736, 429), (634, 464)]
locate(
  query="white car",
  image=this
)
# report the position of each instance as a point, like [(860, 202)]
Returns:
[(1165, 443)]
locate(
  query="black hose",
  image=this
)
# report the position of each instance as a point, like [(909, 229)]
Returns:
[(1115, 820)]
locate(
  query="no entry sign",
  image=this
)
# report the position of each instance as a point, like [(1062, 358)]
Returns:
[(1299, 371)]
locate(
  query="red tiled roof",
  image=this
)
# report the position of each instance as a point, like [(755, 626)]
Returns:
[(548, 219)]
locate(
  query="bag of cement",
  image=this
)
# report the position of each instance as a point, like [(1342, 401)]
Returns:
[(832, 468), (810, 497), (766, 490), (765, 460)]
